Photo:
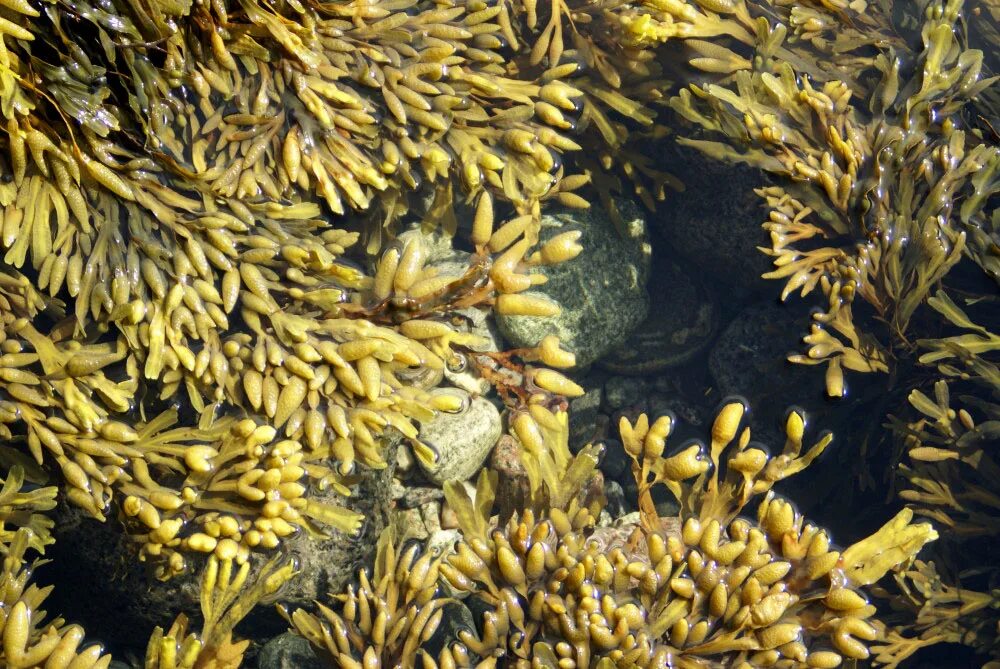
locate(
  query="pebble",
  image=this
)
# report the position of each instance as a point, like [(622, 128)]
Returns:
[(463, 439), (621, 392), (288, 651)]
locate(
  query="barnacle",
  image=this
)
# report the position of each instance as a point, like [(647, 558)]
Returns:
[(873, 205), (721, 590)]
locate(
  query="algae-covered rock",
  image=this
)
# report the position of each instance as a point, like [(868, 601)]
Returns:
[(462, 439), (602, 292)]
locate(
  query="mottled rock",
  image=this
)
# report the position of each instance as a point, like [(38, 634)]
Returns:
[(455, 618), (463, 439), (621, 392), (288, 651), (513, 489), (681, 322), (102, 581), (685, 411), (602, 291), (408, 525), (750, 359), (716, 222), (585, 417), (617, 505)]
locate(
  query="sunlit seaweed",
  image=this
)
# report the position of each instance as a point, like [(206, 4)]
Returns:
[(723, 590), (952, 477), (892, 194)]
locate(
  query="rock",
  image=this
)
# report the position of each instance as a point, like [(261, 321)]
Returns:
[(462, 439), (585, 417), (602, 291), (617, 505), (288, 651), (100, 579), (749, 359), (513, 491), (621, 392), (616, 463), (408, 525), (716, 222), (682, 319), (686, 412), (415, 497)]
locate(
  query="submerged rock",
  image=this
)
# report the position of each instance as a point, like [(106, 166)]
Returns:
[(602, 291), (750, 358), (463, 439), (682, 319), (716, 222)]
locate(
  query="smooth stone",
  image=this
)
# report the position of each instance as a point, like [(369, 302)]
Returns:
[(621, 392), (716, 222), (750, 360), (463, 439), (100, 578), (288, 651), (602, 291), (682, 319)]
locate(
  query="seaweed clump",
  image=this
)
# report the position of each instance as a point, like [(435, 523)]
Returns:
[(877, 201), (559, 592)]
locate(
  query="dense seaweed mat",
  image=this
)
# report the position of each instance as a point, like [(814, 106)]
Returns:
[(208, 312)]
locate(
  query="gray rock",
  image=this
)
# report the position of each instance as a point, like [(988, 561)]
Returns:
[(749, 359), (682, 319), (716, 222), (103, 582), (463, 439), (602, 291), (686, 412), (621, 392), (288, 651), (616, 463), (584, 417), (617, 505)]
